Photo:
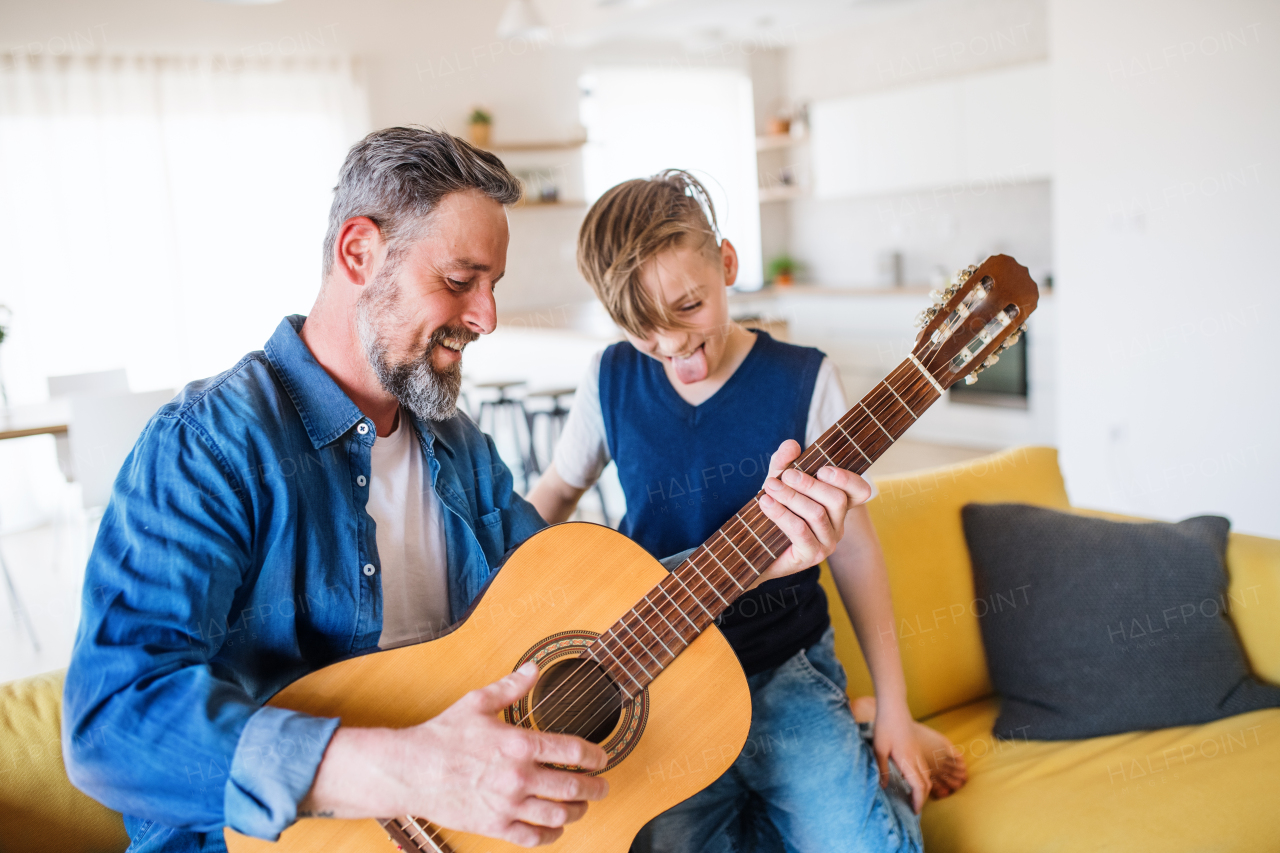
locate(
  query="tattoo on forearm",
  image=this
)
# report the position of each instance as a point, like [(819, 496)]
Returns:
[(309, 813)]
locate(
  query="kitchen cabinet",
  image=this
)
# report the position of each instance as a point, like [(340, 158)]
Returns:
[(974, 131)]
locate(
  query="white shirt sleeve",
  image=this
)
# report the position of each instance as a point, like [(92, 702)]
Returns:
[(827, 406), (583, 450)]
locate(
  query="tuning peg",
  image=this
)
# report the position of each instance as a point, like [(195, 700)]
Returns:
[(971, 378), (991, 360), (937, 296)]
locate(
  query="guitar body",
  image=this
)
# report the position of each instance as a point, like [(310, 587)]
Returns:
[(557, 590)]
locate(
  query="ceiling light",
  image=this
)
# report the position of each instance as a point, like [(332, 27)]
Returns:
[(521, 20)]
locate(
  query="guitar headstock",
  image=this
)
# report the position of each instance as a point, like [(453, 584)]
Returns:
[(978, 316)]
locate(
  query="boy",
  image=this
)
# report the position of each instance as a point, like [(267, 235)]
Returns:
[(689, 408)]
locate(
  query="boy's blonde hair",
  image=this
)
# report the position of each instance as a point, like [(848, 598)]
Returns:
[(628, 226)]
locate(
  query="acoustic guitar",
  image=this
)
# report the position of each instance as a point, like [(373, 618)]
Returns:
[(628, 654)]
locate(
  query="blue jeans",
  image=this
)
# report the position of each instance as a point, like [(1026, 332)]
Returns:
[(805, 781)]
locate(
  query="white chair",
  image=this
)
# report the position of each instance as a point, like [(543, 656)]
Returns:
[(102, 431), (72, 384)]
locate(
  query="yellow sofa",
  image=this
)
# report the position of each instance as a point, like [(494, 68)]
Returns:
[(1197, 788)]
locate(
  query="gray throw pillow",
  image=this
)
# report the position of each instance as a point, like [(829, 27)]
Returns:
[(1094, 627)]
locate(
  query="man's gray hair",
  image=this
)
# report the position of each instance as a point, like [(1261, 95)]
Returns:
[(398, 175)]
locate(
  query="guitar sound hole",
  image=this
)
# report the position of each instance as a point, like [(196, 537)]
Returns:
[(576, 697)]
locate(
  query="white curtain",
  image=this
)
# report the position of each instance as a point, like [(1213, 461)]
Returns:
[(160, 214)]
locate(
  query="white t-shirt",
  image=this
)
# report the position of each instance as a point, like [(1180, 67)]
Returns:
[(410, 536), (583, 450)]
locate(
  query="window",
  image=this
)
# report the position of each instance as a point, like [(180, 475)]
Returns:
[(641, 121)]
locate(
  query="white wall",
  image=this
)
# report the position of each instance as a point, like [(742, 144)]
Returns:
[(1166, 236)]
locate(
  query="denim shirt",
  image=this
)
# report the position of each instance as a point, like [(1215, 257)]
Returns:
[(234, 557)]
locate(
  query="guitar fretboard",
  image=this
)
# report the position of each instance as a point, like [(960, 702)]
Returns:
[(652, 634)]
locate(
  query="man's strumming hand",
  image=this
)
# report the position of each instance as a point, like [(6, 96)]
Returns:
[(463, 770)]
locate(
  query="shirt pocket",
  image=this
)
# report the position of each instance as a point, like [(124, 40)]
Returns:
[(488, 531)]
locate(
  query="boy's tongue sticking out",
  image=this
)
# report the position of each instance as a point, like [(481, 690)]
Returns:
[(693, 367)]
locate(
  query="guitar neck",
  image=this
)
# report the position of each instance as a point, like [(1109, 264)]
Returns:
[(651, 634)]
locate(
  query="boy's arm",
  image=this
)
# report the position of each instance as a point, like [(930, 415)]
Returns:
[(857, 566), (553, 498)]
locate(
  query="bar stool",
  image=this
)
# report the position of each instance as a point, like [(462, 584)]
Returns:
[(512, 411), (20, 614), (555, 418)]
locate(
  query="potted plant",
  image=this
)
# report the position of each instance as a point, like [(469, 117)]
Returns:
[(782, 270), (481, 123)]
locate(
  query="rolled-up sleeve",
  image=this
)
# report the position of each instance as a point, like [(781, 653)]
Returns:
[(273, 767), (153, 726)]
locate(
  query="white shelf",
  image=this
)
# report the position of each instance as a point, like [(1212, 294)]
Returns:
[(510, 147), (780, 140), (782, 193)]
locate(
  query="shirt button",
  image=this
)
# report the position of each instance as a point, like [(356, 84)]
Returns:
[(362, 428), (369, 570), (360, 480)]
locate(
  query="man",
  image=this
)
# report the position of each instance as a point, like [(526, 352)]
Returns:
[(261, 528)]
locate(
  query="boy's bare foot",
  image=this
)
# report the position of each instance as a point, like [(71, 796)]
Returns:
[(946, 766)]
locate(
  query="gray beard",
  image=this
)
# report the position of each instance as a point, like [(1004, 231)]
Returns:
[(428, 393)]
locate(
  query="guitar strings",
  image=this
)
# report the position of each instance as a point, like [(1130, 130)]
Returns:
[(600, 681)]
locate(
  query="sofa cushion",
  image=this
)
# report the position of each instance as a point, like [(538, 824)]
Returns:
[(917, 518), (1097, 627), (1194, 788)]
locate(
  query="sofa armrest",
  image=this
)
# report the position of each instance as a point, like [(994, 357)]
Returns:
[(1254, 565), (39, 808)]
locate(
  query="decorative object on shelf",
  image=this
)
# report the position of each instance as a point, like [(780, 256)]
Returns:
[(782, 270), (540, 185), (891, 268), (800, 121), (480, 127), (779, 125), (6, 314)]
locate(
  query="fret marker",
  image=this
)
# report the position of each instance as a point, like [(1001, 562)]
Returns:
[(927, 374)]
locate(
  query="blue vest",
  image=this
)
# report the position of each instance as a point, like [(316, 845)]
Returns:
[(686, 469)]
